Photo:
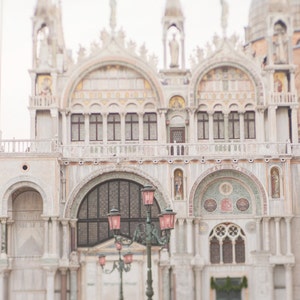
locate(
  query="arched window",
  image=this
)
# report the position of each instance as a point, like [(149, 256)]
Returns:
[(125, 195), (227, 244)]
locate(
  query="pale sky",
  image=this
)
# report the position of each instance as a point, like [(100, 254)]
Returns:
[(83, 20)]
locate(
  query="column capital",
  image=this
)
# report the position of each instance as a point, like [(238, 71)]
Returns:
[(73, 222)]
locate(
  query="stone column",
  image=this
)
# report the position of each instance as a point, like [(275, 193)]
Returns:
[(104, 116), (226, 127), (211, 126), (294, 124), (63, 291), (193, 126), (181, 246), (86, 128), (272, 123), (122, 125), (64, 127), (3, 238), (277, 236), (242, 126), (73, 283), (32, 123), (141, 127), (4, 284), (197, 237), (258, 236), (73, 235), (288, 236), (46, 236), (198, 283), (65, 239), (50, 274), (260, 125), (54, 252), (266, 234), (189, 236), (289, 282)]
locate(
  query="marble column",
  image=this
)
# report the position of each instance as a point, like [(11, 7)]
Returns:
[(73, 235), (226, 127), (277, 236), (73, 284), (189, 236), (65, 239), (198, 282), (141, 127), (104, 116), (289, 282), (242, 126), (122, 126), (258, 234), (266, 235), (182, 245), (211, 126), (4, 284), (46, 236), (50, 275), (63, 290), (272, 123), (3, 238), (288, 236), (54, 249), (294, 124), (86, 128)]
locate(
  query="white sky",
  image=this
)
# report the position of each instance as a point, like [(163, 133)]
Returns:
[(83, 20)]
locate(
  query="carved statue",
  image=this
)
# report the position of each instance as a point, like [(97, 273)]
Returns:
[(224, 15), (280, 44), (113, 13), (174, 52), (275, 183)]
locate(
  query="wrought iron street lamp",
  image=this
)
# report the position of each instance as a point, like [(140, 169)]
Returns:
[(122, 265), (146, 233)]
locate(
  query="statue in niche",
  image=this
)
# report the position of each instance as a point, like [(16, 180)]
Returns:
[(178, 185), (278, 86), (280, 44), (43, 47), (275, 183), (174, 52)]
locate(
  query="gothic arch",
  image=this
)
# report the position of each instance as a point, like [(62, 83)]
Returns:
[(247, 67), (96, 63), (26, 182), (243, 175), (103, 175)]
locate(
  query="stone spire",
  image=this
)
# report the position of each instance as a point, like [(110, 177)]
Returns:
[(173, 9)]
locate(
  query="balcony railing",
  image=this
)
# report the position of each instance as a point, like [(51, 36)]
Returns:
[(150, 151), (42, 101), (283, 98)]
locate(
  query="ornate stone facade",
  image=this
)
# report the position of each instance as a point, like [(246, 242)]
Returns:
[(218, 141)]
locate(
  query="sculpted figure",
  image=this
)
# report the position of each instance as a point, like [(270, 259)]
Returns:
[(224, 15), (174, 52)]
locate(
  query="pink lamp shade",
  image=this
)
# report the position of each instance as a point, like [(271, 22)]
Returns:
[(148, 195), (114, 219), (128, 257), (167, 219), (102, 260)]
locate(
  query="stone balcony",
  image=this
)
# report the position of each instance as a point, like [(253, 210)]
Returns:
[(283, 99), (150, 151), (41, 102)]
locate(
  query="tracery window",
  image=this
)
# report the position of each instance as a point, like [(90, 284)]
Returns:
[(96, 127), (132, 127), (249, 127), (113, 127), (77, 127), (227, 244), (234, 125), (203, 126), (150, 126), (125, 195), (218, 125)]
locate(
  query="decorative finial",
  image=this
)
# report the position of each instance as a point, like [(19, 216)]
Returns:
[(113, 12), (224, 16)]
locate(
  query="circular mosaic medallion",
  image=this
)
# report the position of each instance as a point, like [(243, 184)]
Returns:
[(210, 205), (225, 188), (242, 204)]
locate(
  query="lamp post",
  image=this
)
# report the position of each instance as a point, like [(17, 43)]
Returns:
[(122, 265), (145, 233)]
